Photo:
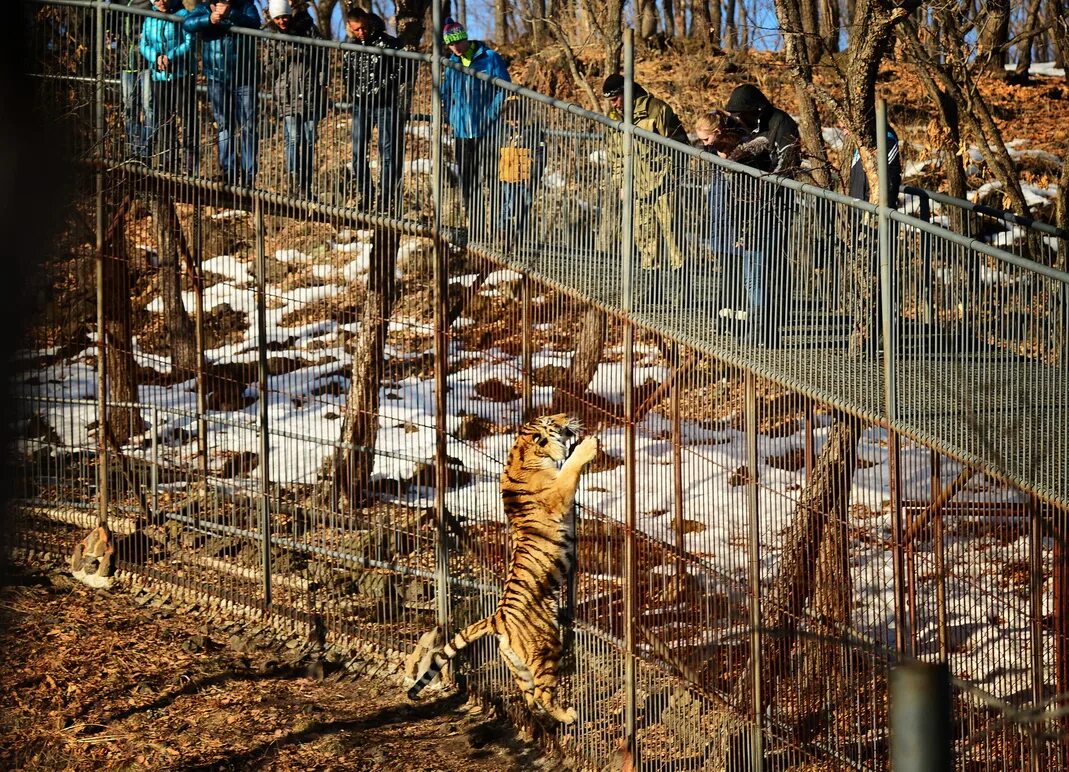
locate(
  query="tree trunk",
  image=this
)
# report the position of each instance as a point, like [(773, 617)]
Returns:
[(501, 21), (669, 18), (1059, 33), (410, 16), (648, 22), (180, 328), (1029, 32), (538, 26), (716, 21), (731, 29), (344, 479), (588, 353), (993, 36), (825, 496), (117, 344), (829, 25), (324, 11)]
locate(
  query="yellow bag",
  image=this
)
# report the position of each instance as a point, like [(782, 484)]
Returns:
[(514, 164)]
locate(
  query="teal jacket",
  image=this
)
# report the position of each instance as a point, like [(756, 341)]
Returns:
[(227, 58), (472, 105), (164, 36)]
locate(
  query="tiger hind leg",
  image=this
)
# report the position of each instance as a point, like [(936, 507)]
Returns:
[(520, 672), (545, 691)]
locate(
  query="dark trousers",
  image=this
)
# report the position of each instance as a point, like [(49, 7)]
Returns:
[(136, 93), (300, 140), (174, 101), (472, 166), (391, 152)]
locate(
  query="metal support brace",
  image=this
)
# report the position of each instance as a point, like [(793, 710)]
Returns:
[(441, 342), (265, 438), (630, 547), (903, 637), (102, 340)]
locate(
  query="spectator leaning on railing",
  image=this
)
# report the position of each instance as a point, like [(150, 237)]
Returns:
[(772, 145), (168, 53), (231, 70), (656, 173), (472, 106), (372, 85), (298, 75)]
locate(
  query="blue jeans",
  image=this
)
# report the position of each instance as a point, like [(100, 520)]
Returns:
[(516, 198), (136, 92), (234, 108), (300, 149), (391, 152)]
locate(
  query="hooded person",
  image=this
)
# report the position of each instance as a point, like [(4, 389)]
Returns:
[(655, 172), (472, 107), (297, 74), (773, 143), (762, 215)]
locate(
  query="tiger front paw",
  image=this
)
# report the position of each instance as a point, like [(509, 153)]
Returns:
[(585, 451)]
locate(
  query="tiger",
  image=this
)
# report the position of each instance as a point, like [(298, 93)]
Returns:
[(538, 499)]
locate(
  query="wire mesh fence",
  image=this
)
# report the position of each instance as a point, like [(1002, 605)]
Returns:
[(288, 379)]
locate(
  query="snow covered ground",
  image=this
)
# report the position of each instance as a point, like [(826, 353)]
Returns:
[(305, 425)]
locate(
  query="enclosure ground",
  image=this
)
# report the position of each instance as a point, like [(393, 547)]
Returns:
[(92, 680)]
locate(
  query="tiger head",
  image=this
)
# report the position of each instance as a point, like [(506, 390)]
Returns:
[(551, 437)]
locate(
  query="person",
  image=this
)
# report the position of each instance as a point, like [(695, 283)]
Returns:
[(771, 145), (373, 85), (299, 86), (655, 172), (167, 50), (230, 68), (721, 133), (471, 107), (858, 184), (521, 161), (135, 86)]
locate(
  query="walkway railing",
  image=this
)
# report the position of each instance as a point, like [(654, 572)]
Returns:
[(716, 387)]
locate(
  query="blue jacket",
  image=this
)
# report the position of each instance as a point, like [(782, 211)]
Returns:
[(228, 58), (472, 105), (163, 36)]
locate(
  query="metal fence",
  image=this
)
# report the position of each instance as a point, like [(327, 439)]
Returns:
[(296, 401)]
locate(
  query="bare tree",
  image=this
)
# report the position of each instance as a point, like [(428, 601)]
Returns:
[(344, 478), (170, 241), (116, 344)]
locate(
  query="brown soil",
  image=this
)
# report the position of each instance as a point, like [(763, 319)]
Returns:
[(92, 680)]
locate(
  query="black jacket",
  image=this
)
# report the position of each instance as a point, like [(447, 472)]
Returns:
[(373, 77), (774, 146), (297, 72), (859, 183)]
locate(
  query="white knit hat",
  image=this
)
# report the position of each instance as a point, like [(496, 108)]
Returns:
[(280, 8)]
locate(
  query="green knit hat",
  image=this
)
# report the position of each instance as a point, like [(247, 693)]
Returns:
[(453, 32)]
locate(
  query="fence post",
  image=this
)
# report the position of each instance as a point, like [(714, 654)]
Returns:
[(630, 558), (441, 343), (921, 739), (754, 570), (102, 343), (1035, 550), (903, 637), (265, 439)]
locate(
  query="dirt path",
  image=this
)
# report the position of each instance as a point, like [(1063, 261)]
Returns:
[(93, 681)]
